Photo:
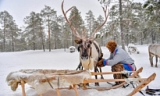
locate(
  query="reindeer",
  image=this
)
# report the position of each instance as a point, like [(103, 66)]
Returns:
[(154, 50), (89, 50)]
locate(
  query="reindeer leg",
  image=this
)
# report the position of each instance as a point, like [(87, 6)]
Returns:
[(96, 70), (151, 59), (101, 75), (79, 67)]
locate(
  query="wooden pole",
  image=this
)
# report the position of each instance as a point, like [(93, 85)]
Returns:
[(75, 89), (143, 84), (120, 85), (58, 93), (95, 73), (108, 80), (23, 89)]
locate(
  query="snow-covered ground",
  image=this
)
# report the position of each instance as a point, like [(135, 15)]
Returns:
[(60, 59)]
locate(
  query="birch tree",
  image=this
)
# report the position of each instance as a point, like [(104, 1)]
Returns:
[(48, 14)]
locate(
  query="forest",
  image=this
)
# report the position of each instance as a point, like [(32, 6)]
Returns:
[(128, 22)]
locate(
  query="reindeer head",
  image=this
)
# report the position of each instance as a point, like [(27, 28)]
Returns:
[(84, 47), (84, 44)]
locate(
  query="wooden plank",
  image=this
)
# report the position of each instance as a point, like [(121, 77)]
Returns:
[(75, 89), (135, 73), (102, 73), (58, 93), (53, 77), (113, 80), (23, 88), (120, 85), (143, 84), (108, 80)]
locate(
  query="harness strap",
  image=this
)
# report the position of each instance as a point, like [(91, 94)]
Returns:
[(90, 56), (91, 52), (96, 47), (98, 50)]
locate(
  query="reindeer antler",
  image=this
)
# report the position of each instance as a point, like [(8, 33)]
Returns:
[(96, 30), (83, 33), (68, 20), (74, 31)]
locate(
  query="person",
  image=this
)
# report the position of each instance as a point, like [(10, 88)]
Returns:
[(119, 60)]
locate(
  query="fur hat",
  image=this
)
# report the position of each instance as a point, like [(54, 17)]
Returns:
[(111, 45)]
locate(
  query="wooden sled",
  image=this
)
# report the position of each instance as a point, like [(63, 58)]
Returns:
[(144, 81)]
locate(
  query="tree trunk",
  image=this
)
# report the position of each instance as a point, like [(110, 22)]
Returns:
[(42, 38), (121, 28), (12, 43), (4, 38), (49, 36)]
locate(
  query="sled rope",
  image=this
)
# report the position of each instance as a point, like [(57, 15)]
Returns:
[(135, 87), (48, 80), (129, 80)]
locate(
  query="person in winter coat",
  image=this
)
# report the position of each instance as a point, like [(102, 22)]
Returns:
[(119, 60)]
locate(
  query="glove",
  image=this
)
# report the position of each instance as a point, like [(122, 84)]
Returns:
[(100, 63)]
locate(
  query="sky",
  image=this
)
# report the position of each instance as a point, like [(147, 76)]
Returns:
[(19, 9), (64, 60)]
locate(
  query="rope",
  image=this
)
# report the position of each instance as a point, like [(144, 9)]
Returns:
[(48, 80), (134, 87), (129, 80), (58, 83)]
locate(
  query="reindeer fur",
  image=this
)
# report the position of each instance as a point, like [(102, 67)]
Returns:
[(39, 79), (154, 50)]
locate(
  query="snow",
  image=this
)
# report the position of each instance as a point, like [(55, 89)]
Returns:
[(131, 45), (60, 59), (72, 47)]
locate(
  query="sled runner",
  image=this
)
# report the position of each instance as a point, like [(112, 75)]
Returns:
[(44, 80)]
